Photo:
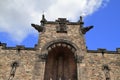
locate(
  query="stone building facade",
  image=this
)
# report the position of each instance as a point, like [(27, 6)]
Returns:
[(60, 54)]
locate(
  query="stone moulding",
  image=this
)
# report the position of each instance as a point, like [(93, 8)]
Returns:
[(59, 41)]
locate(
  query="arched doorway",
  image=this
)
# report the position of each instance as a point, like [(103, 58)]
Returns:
[(60, 64)]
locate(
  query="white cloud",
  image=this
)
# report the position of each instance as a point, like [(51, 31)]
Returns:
[(17, 15)]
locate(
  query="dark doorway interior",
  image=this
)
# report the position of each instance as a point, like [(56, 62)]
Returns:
[(60, 64)]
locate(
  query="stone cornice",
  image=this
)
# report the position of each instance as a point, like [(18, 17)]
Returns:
[(68, 23)]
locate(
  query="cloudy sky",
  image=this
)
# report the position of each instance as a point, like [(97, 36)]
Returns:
[(16, 17)]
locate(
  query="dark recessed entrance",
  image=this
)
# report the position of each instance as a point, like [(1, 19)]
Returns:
[(60, 64)]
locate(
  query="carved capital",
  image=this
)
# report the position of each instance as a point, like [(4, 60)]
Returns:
[(43, 57), (79, 59)]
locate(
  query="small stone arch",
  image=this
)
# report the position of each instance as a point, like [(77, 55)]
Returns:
[(44, 50)]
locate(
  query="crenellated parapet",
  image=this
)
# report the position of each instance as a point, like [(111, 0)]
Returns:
[(104, 51), (22, 47), (17, 47)]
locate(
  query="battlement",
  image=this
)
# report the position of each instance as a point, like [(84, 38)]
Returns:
[(18, 47), (104, 51), (22, 47)]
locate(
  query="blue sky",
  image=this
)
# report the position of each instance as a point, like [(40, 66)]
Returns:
[(106, 27), (102, 14)]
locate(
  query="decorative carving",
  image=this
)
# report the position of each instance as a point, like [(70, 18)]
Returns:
[(106, 70), (13, 70), (62, 28), (37, 27), (40, 28), (42, 57), (81, 21), (79, 58), (43, 21), (86, 29)]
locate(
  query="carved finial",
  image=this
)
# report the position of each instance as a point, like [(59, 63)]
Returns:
[(43, 20), (43, 17), (81, 19)]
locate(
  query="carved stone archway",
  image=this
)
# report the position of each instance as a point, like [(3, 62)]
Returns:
[(45, 48), (61, 63)]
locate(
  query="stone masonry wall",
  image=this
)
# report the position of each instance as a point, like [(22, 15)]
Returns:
[(25, 59), (95, 63)]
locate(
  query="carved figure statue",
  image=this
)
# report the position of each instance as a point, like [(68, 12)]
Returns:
[(13, 70)]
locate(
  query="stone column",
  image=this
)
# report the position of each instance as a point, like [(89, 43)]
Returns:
[(81, 71), (80, 68), (39, 71), (39, 68)]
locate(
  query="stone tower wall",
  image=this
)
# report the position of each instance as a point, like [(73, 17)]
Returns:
[(73, 35)]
